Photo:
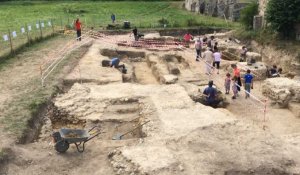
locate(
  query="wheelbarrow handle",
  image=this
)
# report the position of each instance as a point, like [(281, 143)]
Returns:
[(93, 128), (93, 136)]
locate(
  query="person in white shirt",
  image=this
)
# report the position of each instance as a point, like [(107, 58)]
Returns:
[(209, 59), (217, 60)]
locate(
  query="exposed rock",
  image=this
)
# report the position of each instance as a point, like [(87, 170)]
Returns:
[(173, 69), (253, 55), (258, 69), (169, 79), (152, 35), (152, 59), (159, 70), (282, 90)]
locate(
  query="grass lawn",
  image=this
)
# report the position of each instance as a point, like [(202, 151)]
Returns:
[(18, 14), (97, 14)]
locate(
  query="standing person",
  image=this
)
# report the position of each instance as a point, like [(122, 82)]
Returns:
[(135, 34), (113, 18), (216, 46), (248, 78), (187, 38), (227, 83), (234, 87), (198, 47), (78, 27), (208, 59), (237, 74), (243, 53), (210, 42), (217, 60)]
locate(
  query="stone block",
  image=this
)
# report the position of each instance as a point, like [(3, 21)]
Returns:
[(253, 55), (169, 79), (282, 90)]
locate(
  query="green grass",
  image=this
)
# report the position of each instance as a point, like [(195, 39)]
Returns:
[(23, 107), (143, 14), (97, 14)]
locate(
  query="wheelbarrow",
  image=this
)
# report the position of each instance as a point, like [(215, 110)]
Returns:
[(64, 137)]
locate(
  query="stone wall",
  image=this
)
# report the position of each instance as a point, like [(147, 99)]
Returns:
[(262, 7), (218, 8)]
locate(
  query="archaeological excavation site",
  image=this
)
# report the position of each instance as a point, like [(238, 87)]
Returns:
[(151, 118)]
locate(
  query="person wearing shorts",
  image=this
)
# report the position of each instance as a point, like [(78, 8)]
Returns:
[(217, 60)]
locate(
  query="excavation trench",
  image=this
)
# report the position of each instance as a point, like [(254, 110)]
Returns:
[(119, 117)]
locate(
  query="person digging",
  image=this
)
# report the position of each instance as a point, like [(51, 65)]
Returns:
[(115, 62)]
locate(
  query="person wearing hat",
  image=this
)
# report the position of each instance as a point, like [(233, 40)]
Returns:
[(211, 95)]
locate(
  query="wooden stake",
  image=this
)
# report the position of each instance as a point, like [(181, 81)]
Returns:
[(10, 41), (41, 29)]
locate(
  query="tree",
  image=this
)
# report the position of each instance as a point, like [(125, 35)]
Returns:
[(247, 15), (282, 15)]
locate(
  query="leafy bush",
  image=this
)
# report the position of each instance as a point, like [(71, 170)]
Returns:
[(282, 16), (247, 15), (191, 22), (176, 24), (163, 21)]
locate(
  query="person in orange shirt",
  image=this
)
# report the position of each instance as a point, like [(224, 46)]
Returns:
[(78, 27), (237, 74)]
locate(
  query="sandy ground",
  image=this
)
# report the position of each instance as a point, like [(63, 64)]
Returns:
[(183, 137)]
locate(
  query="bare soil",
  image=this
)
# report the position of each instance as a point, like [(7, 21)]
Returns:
[(183, 137)]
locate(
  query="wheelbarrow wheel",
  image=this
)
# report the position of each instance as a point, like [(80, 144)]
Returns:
[(61, 146)]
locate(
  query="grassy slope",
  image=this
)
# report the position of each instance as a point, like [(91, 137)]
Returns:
[(15, 14), (25, 104)]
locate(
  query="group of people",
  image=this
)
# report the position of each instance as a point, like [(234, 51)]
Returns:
[(274, 72), (212, 55), (235, 82)]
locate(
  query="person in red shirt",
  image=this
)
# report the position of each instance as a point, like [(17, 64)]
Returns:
[(187, 38), (78, 26)]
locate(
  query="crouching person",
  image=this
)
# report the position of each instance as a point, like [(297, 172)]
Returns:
[(211, 95), (115, 62)]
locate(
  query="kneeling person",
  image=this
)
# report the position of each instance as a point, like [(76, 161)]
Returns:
[(211, 95)]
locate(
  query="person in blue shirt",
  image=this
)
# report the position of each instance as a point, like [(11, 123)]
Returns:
[(113, 18), (248, 78), (211, 95), (115, 63)]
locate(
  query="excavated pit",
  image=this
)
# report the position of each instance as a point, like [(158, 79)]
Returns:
[(119, 117), (137, 69)]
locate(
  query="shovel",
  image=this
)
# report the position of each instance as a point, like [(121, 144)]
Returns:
[(119, 136)]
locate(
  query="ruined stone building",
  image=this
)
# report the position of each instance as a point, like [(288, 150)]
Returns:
[(229, 9)]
